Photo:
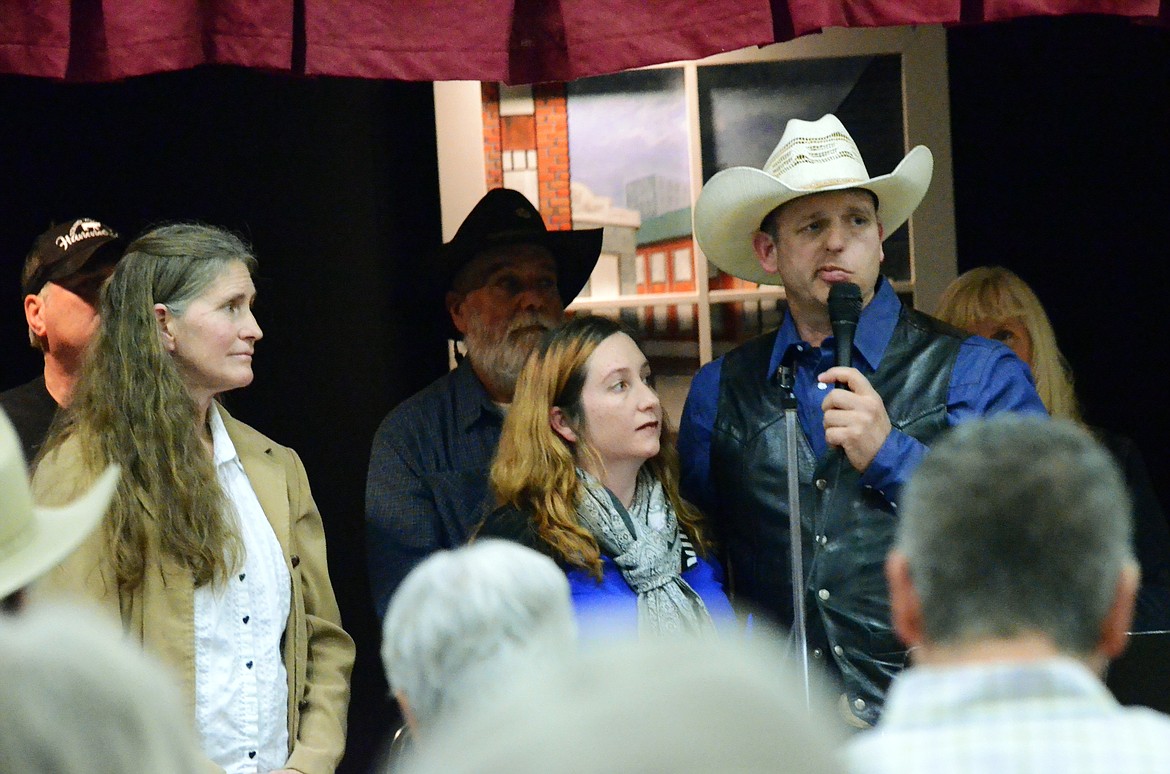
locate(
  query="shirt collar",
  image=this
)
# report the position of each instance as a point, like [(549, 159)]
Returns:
[(223, 450), (925, 695), (875, 327), (472, 401)]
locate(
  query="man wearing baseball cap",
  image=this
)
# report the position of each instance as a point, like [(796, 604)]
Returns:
[(499, 284), (62, 277), (812, 218)]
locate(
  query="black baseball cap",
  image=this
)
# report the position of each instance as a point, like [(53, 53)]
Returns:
[(71, 250)]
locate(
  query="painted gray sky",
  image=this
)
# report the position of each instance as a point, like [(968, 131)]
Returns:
[(625, 135), (751, 104), (629, 125)]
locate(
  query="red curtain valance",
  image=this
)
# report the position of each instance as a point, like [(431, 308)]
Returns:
[(522, 41), (105, 40), (516, 41)]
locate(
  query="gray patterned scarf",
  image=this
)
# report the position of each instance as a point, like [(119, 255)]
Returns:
[(646, 545)]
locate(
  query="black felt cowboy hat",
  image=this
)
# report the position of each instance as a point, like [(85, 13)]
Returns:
[(506, 217)]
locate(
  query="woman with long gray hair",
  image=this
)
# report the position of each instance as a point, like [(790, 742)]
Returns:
[(212, 553)]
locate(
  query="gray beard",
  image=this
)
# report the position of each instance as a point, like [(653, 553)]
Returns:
[(499, 359)]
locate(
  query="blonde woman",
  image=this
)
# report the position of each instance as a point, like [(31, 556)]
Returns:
[(586, 473), (212, 553), (995, 303)]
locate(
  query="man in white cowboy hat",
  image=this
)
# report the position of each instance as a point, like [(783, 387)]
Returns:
[(62, 276), (814, 217), (500, 283), (34, 539)]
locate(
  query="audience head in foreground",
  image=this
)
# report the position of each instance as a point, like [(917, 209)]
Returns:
[(34, 538), (466, 621), (651, 705), (77, 698), (1014, 533), (995, 303), (1013, 580)]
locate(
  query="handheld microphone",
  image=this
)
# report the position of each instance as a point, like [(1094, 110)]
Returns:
[(844, 309)]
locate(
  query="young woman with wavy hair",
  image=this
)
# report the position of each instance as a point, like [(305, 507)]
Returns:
[(995, 303), (212, 553), (586, 472)]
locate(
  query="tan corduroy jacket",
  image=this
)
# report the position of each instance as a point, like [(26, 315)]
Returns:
[(318, 654)]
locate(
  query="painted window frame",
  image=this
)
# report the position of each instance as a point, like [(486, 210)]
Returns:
[(926, 117)]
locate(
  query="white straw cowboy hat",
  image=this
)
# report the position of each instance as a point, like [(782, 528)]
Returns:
[(33, 539), (811, 157)]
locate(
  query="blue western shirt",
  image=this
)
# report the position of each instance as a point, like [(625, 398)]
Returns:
[(987, 378)]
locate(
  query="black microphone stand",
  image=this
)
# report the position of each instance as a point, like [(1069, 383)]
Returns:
[(796, 544)]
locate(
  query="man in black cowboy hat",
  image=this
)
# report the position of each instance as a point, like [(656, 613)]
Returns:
[(62, 276), (504, 279)]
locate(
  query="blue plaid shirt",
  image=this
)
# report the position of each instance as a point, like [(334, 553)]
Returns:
[(427, 485)]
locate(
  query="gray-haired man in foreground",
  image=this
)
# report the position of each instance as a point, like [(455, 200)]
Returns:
[(465, 622), (1013, 581)]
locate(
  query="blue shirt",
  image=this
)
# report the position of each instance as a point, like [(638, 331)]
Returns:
[(987, 378), (427, 485), (609, 607)]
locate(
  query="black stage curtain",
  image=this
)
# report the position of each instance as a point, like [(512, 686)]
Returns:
[(1060, 131), (335, 183)]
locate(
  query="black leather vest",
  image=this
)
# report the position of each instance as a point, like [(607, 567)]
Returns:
[(848, 529)]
